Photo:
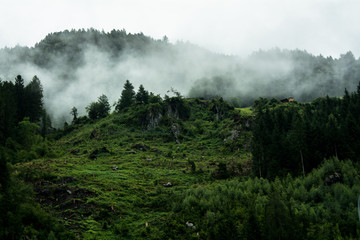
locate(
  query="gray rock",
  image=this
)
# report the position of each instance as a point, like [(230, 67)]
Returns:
[(234, 135), (168, 184), (189, 224)]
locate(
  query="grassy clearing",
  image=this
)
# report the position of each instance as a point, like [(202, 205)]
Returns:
[(112, 180), (247, 111)]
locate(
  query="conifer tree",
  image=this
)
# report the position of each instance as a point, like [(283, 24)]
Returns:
[(142, 96), (104, 106), (4, 173), (19, 97), (99, 109), (8, 110), (127, 97), (74, 113), (33, 100)]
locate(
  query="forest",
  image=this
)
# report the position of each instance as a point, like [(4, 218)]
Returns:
[(217, 163)]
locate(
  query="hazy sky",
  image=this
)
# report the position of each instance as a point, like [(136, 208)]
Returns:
[(329, 27)]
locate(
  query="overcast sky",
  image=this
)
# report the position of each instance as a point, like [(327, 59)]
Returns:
[(239, 27)]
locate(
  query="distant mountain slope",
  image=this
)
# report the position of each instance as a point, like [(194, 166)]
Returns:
[(77, 66)]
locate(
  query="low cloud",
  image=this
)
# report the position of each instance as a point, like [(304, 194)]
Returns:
[(190, 69)]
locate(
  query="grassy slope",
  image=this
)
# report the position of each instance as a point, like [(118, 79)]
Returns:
[(121, 189)]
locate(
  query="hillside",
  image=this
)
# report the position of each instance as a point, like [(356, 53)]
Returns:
[(185, 179), (177, 168), (135, 164), (112, 177)]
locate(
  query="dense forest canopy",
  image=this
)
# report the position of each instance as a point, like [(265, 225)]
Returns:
[(80, 65), (295, 138)]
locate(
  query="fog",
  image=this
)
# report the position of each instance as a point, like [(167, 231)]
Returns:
[(190, 69), (237, 27), (158, 70)]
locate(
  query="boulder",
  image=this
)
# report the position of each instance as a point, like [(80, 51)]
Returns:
[(168, 184), (333, 178)]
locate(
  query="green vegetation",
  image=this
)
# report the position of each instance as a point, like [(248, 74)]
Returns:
[(96, 110), (122, 174), (127, 97), (187, 175), (311, 207), (295, 138), (109, 177), (177, 167)]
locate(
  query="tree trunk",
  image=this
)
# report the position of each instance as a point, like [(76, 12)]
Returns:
[(302, 163), (259, 169), (336, 151)]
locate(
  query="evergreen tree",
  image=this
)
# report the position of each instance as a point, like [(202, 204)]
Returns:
[(93, 110), (332, 135), (277, 218), (104, 106), (127, 97), (142, 96), (296, 141), (4, 172), (8, 110), (34, 100), (99, 109), (45, 124), (74, 113), (20, 97)]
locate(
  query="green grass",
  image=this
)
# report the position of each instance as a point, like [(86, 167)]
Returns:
[(247, 111), (107, 204)]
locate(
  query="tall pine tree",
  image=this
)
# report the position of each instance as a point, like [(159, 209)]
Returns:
[(142, 96), (34, 100), (127, 97)]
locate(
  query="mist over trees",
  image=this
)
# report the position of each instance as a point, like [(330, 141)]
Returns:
[(283, 73), (79, 65)]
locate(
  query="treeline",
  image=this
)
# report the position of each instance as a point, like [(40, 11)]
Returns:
[(69, 47), (295, 138), (273, 73), (19, 101), (146, 108), (282, 73)]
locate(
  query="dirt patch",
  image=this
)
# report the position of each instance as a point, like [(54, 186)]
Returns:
[(65, 180), (56, 194), (69, 202)]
